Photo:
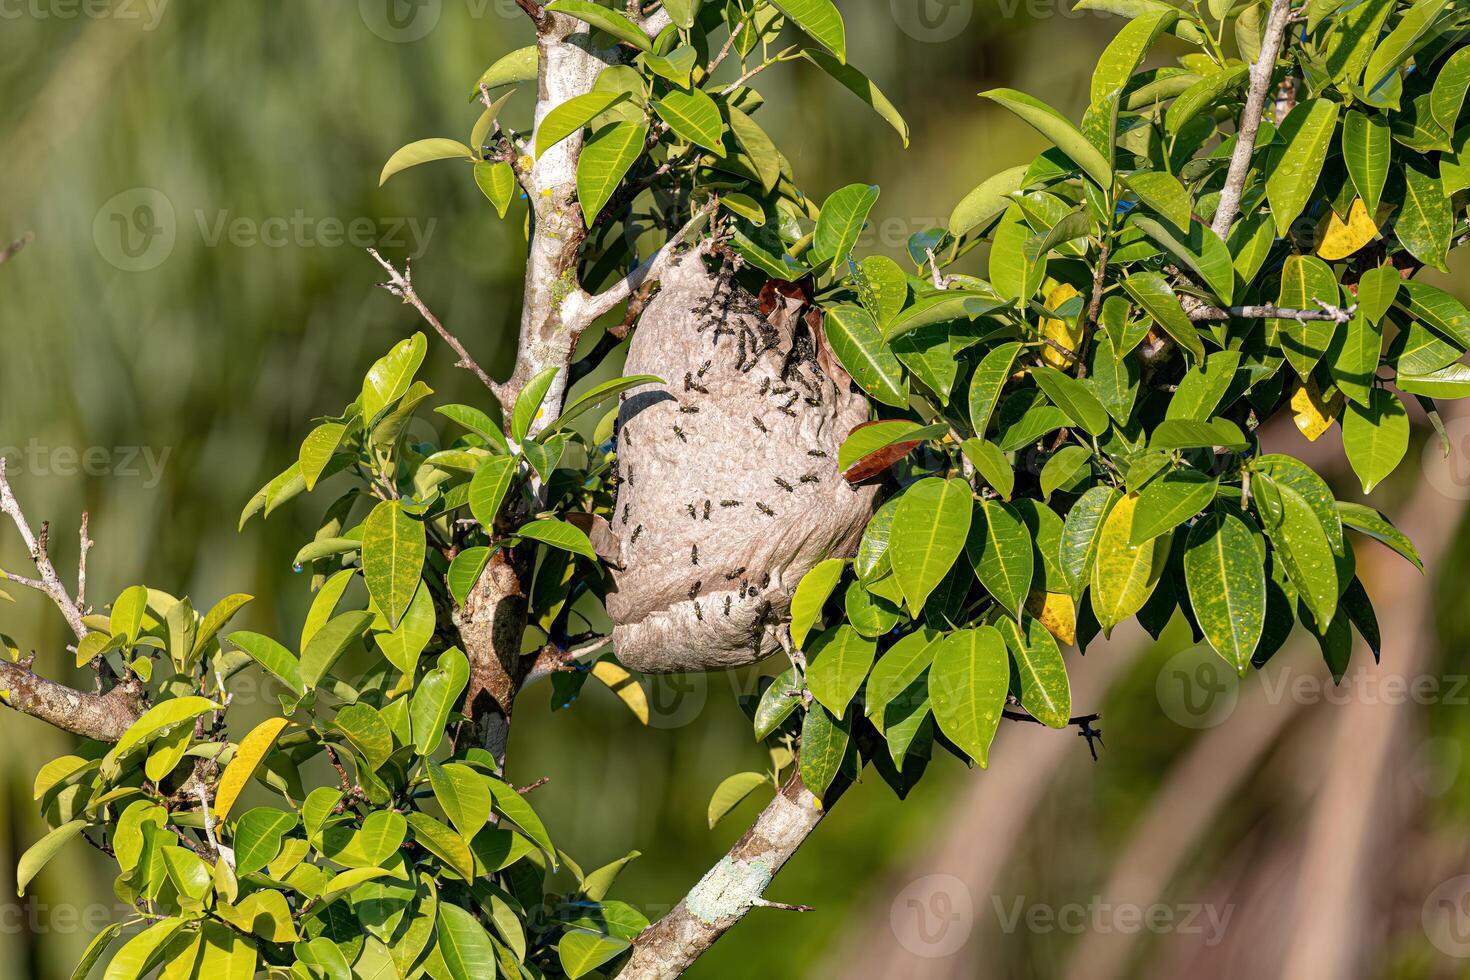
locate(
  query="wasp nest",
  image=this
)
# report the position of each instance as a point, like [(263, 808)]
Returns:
[(729, 488)]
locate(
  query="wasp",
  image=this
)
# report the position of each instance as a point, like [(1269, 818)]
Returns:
[(680, 433), (636, 531), (780, 389), (765, 385), (729, 503), (699, 612), (735, 574), (727, 605), (688, 409), (784, 485), (704, 368), (764, 509), (694, 554), (691, 385), (694, 589), (626, 509), (811, 478), (706, 509), (817, 453), (760, 425), (786, 411), (693, 514)]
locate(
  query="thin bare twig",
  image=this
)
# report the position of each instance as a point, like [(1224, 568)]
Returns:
[(1337, 314), (84, 545), (8, 252), (401, 285), (50, 582), (1250, 120), (592, 307)]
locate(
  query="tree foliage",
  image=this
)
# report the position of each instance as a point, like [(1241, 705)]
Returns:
[(1065, 442)]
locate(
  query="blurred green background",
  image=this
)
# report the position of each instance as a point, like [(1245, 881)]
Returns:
[(201, 181)]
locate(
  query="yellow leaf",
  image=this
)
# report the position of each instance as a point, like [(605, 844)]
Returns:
[(621, 683), (1125, 574), (1055, 611), (247, 759), (1342, 239), (1313, 415), (1060, 331)]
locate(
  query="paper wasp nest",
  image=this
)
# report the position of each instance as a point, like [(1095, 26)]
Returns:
[(729, 488)]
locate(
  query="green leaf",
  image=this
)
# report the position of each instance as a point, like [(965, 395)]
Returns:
[(1367, 149), (929, 530), (1153, 292), (1292, 472), (521, 65), (899, 667), (1124, 574), (1305, 279), (992, 465), (824, 741), (693, 117), (393, 551), (967, 688), (731, 792), (812, 593), (1449, 382), (838, 661), (1375, 437), (403, 645), (497, 181), (488, 489), (528, 403), (1202, 95), (571, 116), (1045, 691), (858, 344), (582, 951), (1000, 550), (940, 308), (559, 534), (363, 726), (272, 656), (1190, 434), (1200, 249), (424, 151), (683, 12), (462, 942), (127, 613), (317, 451), (452, 850), (392, 375), (986, 385), (463, 796), (1366, 520), (611, 21), (1163, 193), (1080, 535), (95, 949), (877, 436), (1292, 171), (757, 145), (1226, 578), (1126, 52), (330, 642), (1063, 468), (595, 396), (39, 853), (1450, 87), (1169, 501), (1305, 552), (986, 201), (143, 952), (1057, 128), (1427, 221), (1397, 48), (259, 834), (781, 698), (1072, 397), (513, 807), (862, 86), (1203, 386), (821, 20), (435, 697), (841, 222)]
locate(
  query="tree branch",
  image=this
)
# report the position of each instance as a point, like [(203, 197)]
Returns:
[(50, 582), (1270, 311), (104, 717), (8, 252), (1250, 120), (401, 285), (585, 309), (729, 890)]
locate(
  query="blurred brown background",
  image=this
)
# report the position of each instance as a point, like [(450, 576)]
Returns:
[(201, 180)]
